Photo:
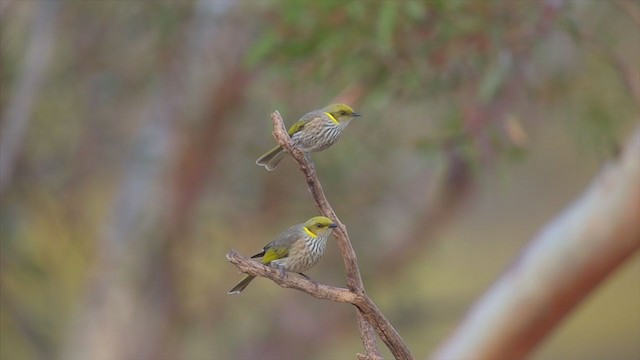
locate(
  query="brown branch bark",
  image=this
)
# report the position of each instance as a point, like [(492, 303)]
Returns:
[(561, 266), (371, 320)]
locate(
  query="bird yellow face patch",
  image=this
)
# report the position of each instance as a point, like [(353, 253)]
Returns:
[(332, 118), (309, 232)]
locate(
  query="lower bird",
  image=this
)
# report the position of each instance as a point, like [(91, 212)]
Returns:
[(297, 249), (315, 131)]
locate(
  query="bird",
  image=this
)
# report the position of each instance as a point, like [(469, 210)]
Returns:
[(297, 249), (315, 131)]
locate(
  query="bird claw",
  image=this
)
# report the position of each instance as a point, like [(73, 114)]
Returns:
[(280, 269), (312, 165), (305, 276)]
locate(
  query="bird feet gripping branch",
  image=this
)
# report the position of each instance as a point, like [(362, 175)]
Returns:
[(312, 165), (305, 276), (278, 267)]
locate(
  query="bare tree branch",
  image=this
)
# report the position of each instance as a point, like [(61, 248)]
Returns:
[(354, 280), (371, 313), (384, 329), (368, 339), (560, 267), (371, 320), (317, 290)]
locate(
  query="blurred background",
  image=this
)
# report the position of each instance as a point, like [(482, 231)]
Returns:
[(129, 131)]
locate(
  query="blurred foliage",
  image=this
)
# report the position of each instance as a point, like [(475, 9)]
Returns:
[(445, 86), (408, 48), (414, 50)]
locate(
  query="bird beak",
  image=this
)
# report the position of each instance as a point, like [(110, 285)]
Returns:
[(355, 114), (333, 226)]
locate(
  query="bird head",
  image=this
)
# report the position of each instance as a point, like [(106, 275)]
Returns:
[(320, 225), (341, 112)]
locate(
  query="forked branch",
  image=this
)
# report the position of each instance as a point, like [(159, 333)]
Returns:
[(371, 320), (380, 324)]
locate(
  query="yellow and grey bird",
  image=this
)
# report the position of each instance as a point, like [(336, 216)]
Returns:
[(315, 131), (297, 249)]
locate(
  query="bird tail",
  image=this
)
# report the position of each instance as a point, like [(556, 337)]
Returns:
[(241, 285), (272, 158)]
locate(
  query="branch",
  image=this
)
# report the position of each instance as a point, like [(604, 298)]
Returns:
[(318, 291), (370, 311), (366, 307), (354, 280), (560, 267)]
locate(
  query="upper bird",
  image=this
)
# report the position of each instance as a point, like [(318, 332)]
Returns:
[(297, 249), (315, 131)]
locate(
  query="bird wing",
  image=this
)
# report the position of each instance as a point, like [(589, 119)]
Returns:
[(279, 248), (299, 125), (274, 254)]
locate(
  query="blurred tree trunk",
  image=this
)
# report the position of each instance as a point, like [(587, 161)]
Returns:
[(132, 309), (32, 77), (562, 265), (114, 322), (195, 160)]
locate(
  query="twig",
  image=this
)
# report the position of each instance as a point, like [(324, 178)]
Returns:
[(561, 266), (367, 308)]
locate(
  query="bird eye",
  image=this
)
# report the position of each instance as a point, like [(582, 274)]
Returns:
[(343, 112), (319, 225)]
